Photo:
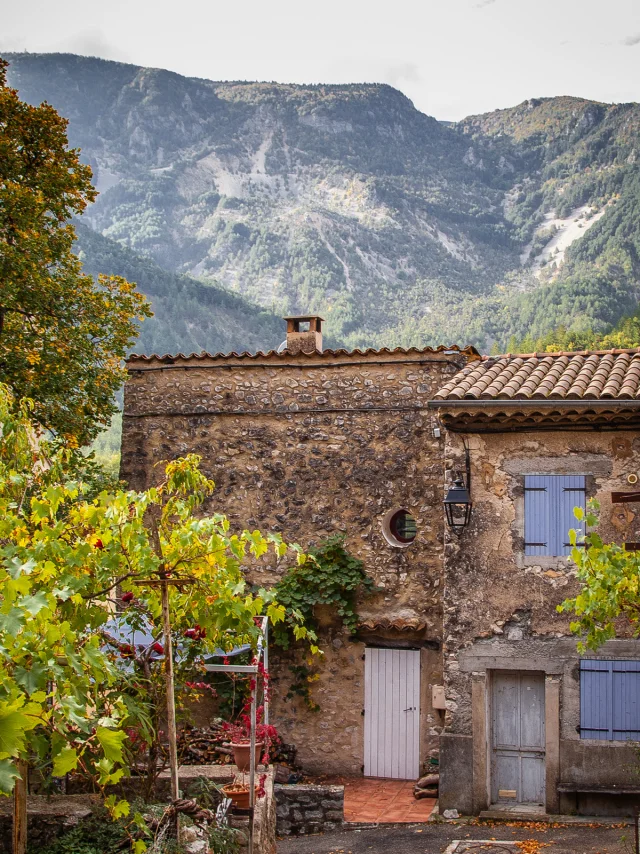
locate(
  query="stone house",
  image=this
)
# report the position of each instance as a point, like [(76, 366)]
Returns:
[(527, 719), (460, 653)]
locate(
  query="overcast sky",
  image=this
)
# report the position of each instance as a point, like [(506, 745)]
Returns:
[(451, 57)]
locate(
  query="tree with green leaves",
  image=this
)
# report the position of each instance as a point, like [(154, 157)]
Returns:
[(62, 335), (77, 573), (610, 584)]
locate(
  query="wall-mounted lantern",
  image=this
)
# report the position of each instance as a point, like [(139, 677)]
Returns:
[(457, 502), (457, 505)]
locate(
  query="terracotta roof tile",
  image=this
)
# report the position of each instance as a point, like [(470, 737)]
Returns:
[(596, 375), (275, 355), (398, 623)]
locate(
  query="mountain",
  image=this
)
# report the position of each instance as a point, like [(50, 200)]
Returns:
[(188, 315), (348, 201)]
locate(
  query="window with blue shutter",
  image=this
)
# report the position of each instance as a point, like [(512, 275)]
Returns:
[(610, 700), (549, 501)]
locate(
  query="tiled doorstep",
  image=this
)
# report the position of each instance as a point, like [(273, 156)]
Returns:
[(384, 801)]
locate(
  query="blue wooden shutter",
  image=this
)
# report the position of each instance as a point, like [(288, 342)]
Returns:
[(569, 492), (595, 700), (626, 700), (610, 700), (537, 514)]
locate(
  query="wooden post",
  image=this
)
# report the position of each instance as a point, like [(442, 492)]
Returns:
[(171, 700), (168, 669), (20, 809)]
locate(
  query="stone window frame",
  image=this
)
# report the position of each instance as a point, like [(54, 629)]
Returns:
[(518, 469)]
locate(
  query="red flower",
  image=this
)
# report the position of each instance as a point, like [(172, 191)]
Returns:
[(127, 597), (196, 633), (260, 791), (157, 647)]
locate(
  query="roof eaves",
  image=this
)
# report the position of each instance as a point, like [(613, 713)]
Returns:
[(168, 358)]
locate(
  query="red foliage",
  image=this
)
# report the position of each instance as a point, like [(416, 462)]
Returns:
[(239, 732)]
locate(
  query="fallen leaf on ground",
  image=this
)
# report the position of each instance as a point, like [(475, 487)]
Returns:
[(531, 846)]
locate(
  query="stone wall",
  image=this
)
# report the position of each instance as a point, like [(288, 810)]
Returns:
[(306, 809), (264, 823), (311, 445), (47, 818), (501, 612)]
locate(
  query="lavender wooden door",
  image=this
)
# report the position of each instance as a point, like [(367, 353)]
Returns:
[(392, 713), (518, 738)]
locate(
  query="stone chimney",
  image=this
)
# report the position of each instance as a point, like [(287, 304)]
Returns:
[(304, 334)]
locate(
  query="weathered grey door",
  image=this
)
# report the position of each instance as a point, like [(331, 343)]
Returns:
[(518, 738)]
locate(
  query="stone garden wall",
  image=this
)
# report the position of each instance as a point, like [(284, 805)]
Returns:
[(47, 818), (305, 809)]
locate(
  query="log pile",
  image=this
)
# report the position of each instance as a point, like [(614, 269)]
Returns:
[(210, 746), (427, 786), (203, 746)]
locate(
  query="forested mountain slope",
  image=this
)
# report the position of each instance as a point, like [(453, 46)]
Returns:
[(348, 201), (188, 315)]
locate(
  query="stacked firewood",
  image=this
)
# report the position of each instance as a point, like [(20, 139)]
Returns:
[(209, 745), (427, 786), (203, 746)]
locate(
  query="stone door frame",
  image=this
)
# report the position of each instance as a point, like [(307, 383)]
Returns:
[(481, 732)]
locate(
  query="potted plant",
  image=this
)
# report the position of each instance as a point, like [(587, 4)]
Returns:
[(238, 792), (239, 734)]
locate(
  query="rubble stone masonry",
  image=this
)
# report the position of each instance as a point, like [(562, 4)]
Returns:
[(311, 445), (500, 610)]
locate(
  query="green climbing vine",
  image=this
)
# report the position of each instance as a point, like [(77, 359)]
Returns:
[(330, 576)]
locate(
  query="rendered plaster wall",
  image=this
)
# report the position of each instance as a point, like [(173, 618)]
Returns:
[(311, 446), (500, 611)]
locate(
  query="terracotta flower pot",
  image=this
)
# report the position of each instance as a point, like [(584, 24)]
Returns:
[(242, 755), (239, 796)]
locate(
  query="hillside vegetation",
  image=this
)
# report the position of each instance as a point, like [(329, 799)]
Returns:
[(188, 315), (348, 201)]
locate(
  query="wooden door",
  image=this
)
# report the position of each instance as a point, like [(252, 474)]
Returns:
[(518, 738), (392, 713)]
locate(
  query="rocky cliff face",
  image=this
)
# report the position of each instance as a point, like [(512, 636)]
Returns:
[(347, 201)]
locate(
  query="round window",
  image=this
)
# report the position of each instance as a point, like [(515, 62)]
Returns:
[(399, 528)]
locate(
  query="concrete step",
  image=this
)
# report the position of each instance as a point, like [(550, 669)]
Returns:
[(525, 814)]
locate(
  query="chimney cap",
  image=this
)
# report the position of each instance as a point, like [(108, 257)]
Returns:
[(304, 317)]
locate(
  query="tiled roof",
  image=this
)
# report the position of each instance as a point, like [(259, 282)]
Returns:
[(470, 352), (398, 623), (588, 375)]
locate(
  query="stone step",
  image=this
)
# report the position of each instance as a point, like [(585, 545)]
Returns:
[(548, 818)]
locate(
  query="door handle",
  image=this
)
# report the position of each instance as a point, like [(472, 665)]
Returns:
[(410, 709)]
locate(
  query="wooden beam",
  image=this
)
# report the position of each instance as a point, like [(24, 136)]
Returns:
[(625, 497)]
